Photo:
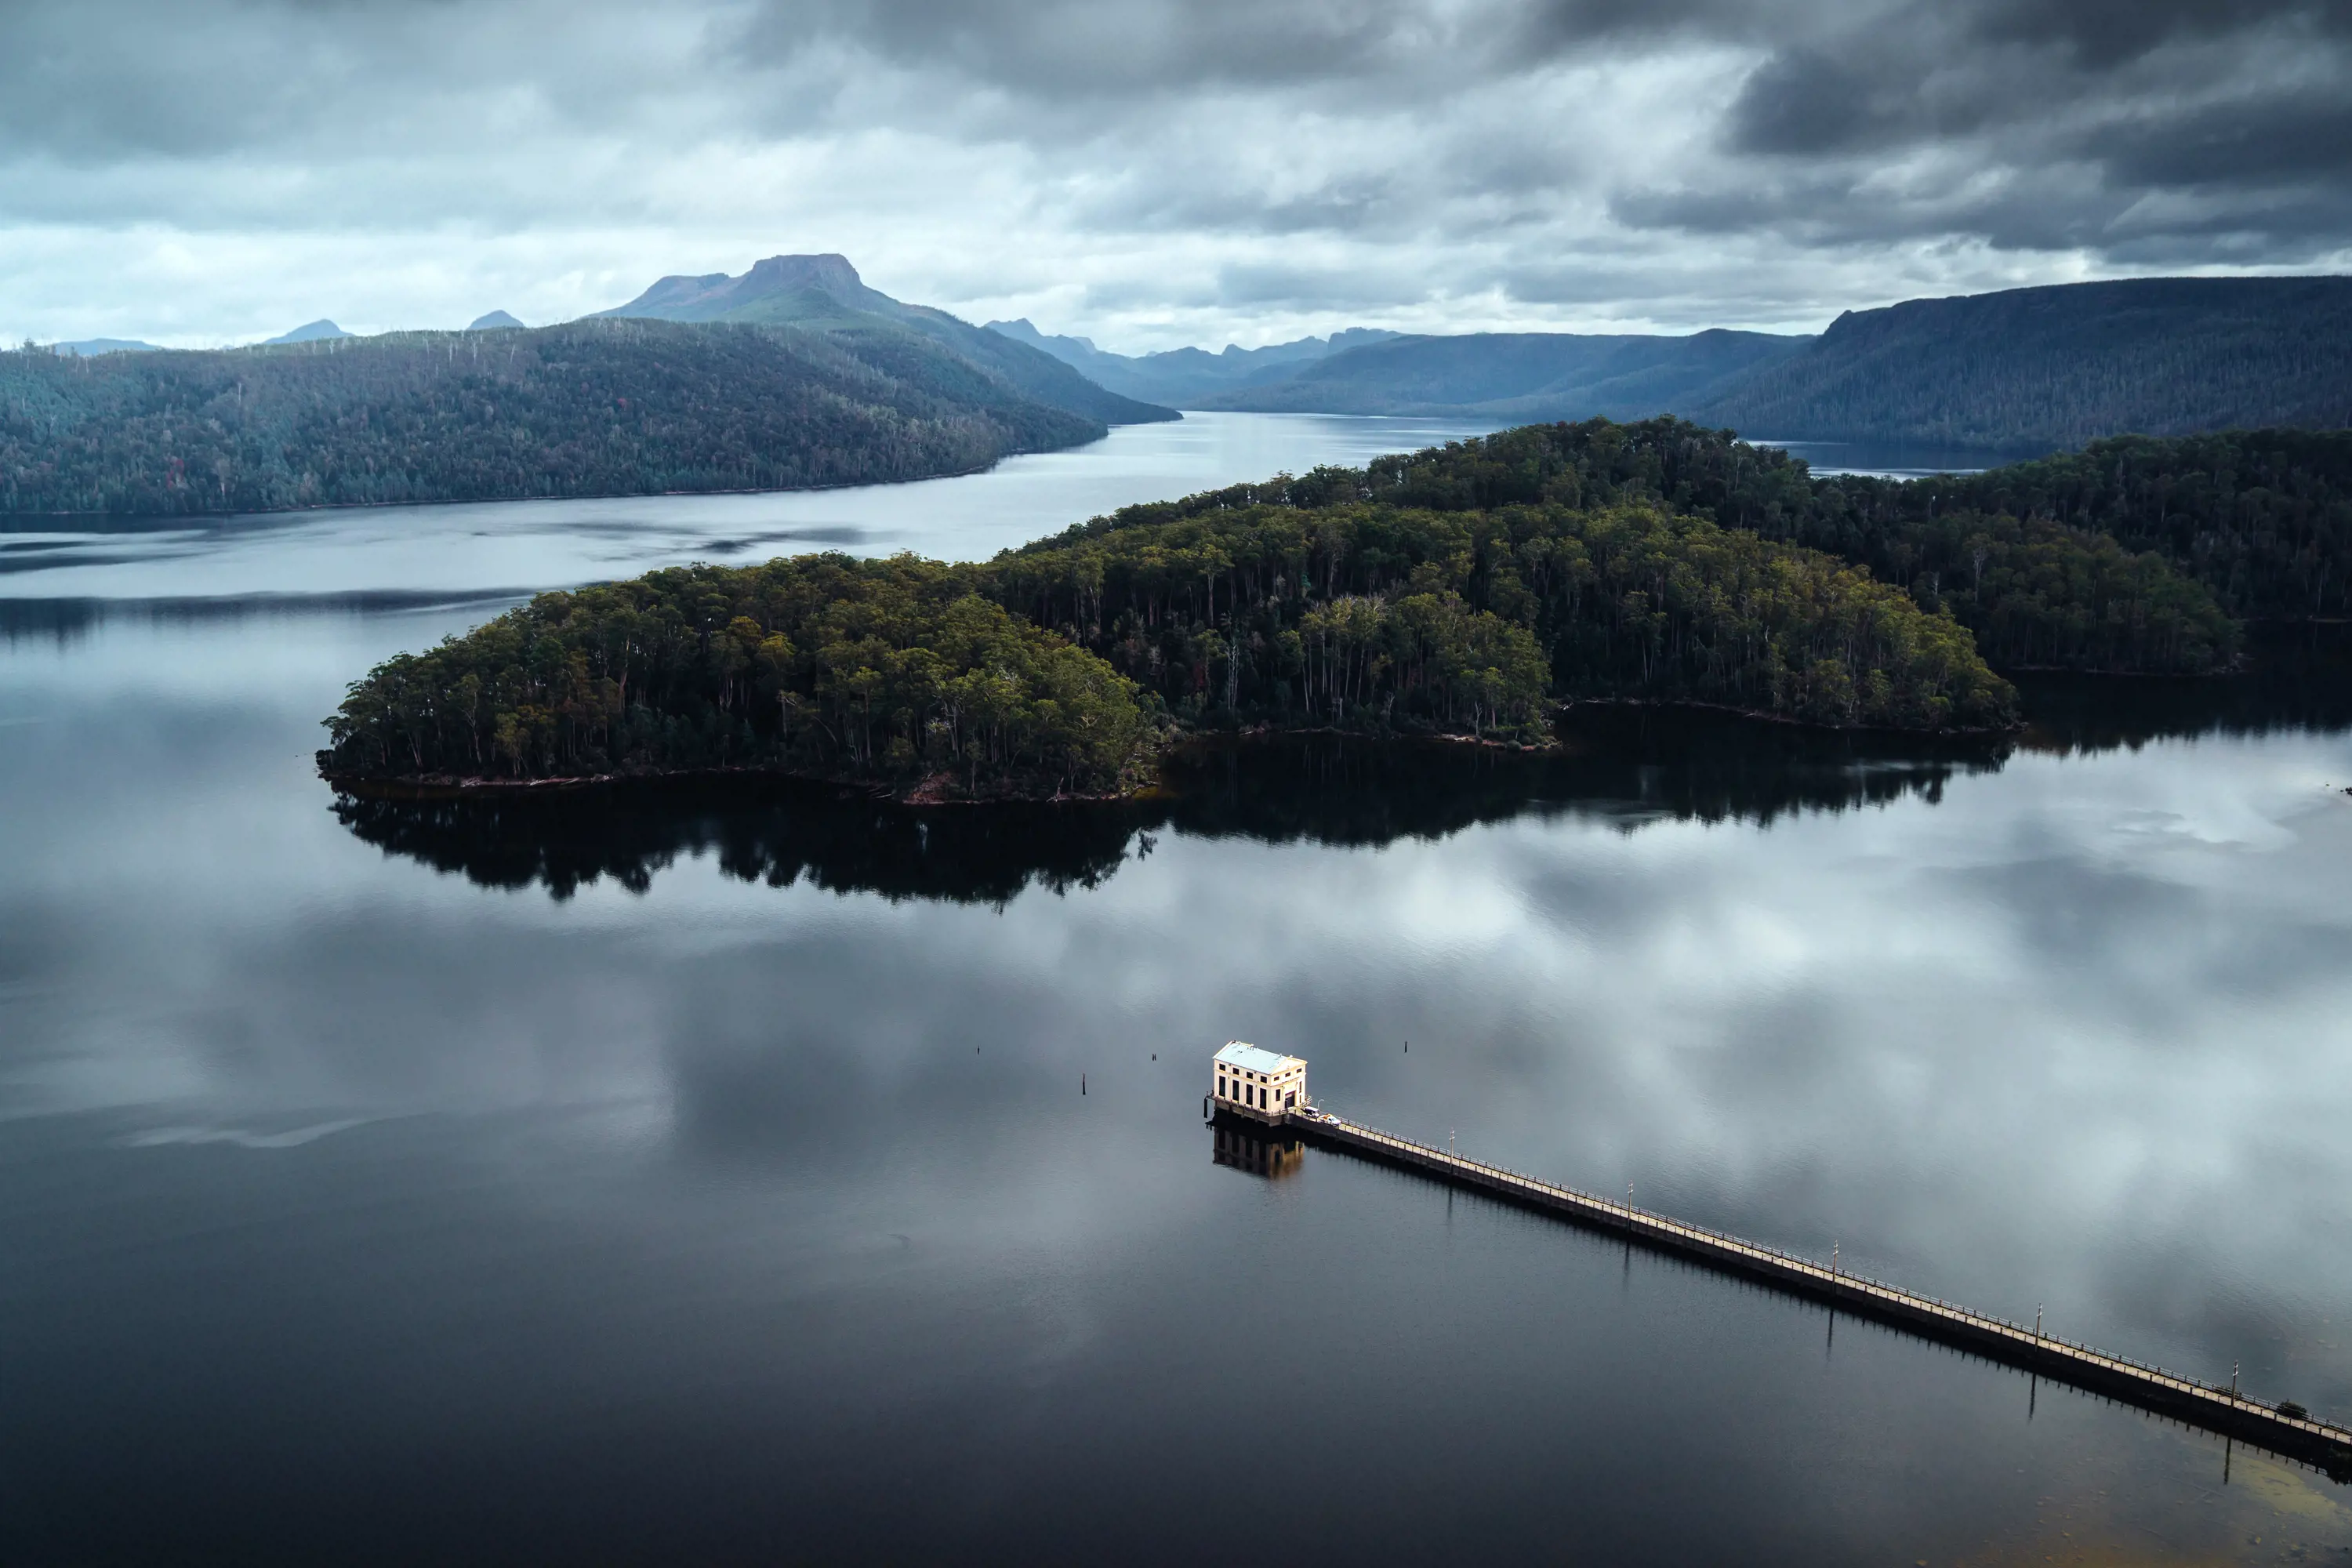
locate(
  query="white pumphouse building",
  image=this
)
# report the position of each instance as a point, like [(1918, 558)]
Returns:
[(1259, 1084)]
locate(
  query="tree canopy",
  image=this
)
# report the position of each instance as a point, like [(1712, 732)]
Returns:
[(1463, 590), (596, 407), (1059, 668), (2132, 555), (1359, 611), (891, 671)]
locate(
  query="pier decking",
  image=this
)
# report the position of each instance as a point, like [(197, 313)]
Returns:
[(2223, 1411)]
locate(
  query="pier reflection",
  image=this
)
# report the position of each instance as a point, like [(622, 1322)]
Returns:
[(2297, 677), (1261, 1153)]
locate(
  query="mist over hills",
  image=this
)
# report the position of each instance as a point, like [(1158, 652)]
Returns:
[(824, 294)]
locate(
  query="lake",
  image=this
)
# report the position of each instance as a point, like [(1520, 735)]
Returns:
[(703, 1174)]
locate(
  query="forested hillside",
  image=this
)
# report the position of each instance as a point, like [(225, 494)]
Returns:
[(2033, 370), (2132, 554), (596, 407), (821, 664), (1519, 375), (1357, 609), (2021, 372)]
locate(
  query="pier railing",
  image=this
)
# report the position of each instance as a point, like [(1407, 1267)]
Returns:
[(2290, 1432)]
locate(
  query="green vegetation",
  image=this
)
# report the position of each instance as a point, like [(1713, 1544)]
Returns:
[(598, 407), (822, 666), (1464, 590), (2030, 370), (1058, 668), (2129, 556), (2263, 519), (1351, 610)]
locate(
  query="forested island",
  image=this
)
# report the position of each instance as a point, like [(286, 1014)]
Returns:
[(627, 406), (1064, 666), (1463, 591)]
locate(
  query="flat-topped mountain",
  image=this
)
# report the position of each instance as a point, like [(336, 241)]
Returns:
[(824, 294), (795, 288)]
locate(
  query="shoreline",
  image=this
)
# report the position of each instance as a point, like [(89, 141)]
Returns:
[(931, 790), (1952, 731), (599, 495), (452, 787)]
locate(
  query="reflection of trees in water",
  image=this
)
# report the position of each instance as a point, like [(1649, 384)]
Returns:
[(2299, 678), (1630, 766), (1627, 766), (764, 830)]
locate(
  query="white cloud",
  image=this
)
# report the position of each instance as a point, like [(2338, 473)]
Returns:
[(1145, 173)]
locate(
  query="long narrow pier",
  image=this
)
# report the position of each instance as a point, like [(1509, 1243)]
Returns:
[(2223, 1411)]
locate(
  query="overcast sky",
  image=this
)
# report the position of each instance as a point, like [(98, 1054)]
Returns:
[(1154, 173)]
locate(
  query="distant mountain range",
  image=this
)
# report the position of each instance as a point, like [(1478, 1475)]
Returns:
[(2021, 372), (2024, 370), (1509, 377), (1190, 378), (824, 294), (1515, 377), (793, 376)]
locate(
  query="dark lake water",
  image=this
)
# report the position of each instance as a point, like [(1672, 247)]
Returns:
[(704, 1175)]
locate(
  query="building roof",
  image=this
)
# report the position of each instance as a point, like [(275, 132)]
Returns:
[(1242, 1054)]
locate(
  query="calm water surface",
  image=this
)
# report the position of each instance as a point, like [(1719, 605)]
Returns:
[(705, 1176)]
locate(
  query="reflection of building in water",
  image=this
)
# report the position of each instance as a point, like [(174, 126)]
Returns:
[(1259, 1156), (1259, 1084)]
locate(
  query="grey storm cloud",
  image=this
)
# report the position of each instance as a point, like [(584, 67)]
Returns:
[(1275, 165)]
